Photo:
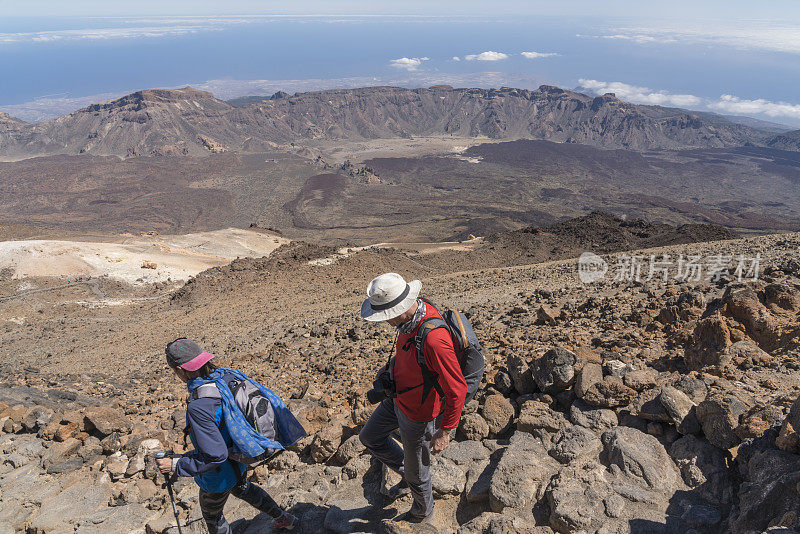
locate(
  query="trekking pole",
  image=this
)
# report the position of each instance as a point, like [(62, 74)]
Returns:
[(158, 456)]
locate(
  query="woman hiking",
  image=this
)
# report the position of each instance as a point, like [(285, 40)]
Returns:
[(217, 475)]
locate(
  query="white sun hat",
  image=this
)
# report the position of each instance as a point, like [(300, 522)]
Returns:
[(389, 296)]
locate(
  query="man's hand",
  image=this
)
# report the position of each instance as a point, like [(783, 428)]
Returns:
[(164, 464), (440, 441), (383, 369)]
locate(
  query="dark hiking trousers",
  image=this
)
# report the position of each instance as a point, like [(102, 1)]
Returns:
[(211, 505), (413, 460)]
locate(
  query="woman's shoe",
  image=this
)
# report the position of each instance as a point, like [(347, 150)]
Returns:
[(286, 521)]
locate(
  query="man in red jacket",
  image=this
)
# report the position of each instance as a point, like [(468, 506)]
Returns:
[(424, 416)]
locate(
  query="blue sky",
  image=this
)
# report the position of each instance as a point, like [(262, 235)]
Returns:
[(729, 57), (730, 9)]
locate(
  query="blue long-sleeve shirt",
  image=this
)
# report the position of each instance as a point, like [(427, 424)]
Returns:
[(208, 463)]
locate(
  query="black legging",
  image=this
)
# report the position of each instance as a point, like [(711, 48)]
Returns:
[(212, 504)]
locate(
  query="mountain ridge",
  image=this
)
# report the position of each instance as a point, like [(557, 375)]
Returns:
[(189, 121)]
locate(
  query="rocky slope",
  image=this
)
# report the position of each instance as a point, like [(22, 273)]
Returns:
[(786, 141), (188, 121), (615, 407)]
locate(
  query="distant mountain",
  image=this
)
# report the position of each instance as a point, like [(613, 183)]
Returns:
[(193, 122), (785, 141)]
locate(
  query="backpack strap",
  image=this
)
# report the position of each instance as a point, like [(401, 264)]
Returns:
[(430, 378), (205, 391)]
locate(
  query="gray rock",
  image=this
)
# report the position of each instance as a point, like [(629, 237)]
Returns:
[(37, 418), (573, 443), (58, 452), (642, 456), (125, 518), (447, 477), (106, 420), (616, 368), (503, 382), (78, 500), (610, 392), (555, 371), (479, 479), (648, 406), (769, 490), (595, 419), (680, 409), (520, 371), (67, 466), (589, 375), (326, 442), (494, 523), (576, 496), (349, 449), (535, 415), (522, 474), (719, 416), (466, 452), (473, 427)]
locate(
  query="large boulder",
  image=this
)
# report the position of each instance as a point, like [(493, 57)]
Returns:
[(327, 441), (595, 419), (588, 376), (522, 474), (769, 490), (78, 500), (642, 456), (576, 498), (680, 409), (610, 392), (719, 417), (535, 415), (555, 371), (520, 372), (499, 413), (473, 427), (575, 443), (704, 469), (106, 420)]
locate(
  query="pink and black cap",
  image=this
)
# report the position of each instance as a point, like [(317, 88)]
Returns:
[(186, 354)]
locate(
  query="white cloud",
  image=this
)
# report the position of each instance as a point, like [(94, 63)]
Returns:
[(99, 34), (639, 95), (726, 104), (408, 63), (486, 56), (637, 38), (751, 34), (732, 104), (456, 58), (539, 55)]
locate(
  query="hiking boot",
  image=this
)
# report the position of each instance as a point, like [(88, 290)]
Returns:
[(286, 521), (395, 492), (408, 517)]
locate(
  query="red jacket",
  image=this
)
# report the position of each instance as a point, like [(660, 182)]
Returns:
[(440, 357)]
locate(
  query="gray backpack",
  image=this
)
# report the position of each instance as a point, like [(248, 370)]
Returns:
[(467, 347), (256, 408)]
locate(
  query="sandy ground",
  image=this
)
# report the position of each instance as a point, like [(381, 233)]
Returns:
[(145, 259), (359, 151)]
